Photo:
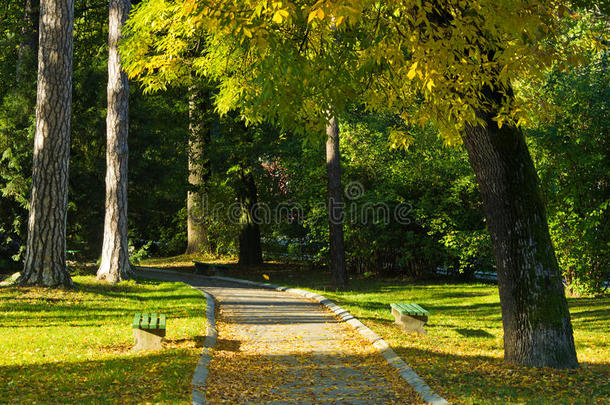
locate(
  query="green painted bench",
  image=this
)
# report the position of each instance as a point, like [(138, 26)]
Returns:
[(148, 331), (410, 316), (208, 269)]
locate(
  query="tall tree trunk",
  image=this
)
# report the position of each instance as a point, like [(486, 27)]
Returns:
[(115, 250), (45, 255), (250, 251), (535, 316), (199, 167), (335, 206), (28, 45)]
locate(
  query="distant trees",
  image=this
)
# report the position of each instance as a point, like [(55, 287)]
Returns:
[(336, 215), (28, 44), (570, 143), (18, 72), (249, 238), (45, 256)]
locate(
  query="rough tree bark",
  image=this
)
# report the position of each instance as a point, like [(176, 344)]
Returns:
[(45, 255), (199, 166), (114, 265), (250, 251), (335, 206), (537, 327)]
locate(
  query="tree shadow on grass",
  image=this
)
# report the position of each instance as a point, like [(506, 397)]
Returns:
[(197, 341), (32, 307), (121, 289), (157, 377), (60, 315), (474, 333)]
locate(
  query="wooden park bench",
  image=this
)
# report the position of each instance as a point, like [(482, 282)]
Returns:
[(410, 316), (209, 269), (148, 330)]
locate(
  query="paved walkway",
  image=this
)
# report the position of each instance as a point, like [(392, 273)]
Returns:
[(280, 348)]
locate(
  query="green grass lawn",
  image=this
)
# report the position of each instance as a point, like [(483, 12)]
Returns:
[(74, 346), (461, 357)]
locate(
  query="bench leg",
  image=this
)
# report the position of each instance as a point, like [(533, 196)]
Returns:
[(145, 340), (410, 323)]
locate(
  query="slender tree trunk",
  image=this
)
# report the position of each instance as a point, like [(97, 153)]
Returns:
[(537, 327), (114, 265), (250, 251), (199, 167), (28, 45), (45, 255), (335, 206)]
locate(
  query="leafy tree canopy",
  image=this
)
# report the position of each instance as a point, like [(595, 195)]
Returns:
[(298, 61)]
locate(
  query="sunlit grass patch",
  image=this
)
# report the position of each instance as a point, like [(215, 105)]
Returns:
[(74, 346)]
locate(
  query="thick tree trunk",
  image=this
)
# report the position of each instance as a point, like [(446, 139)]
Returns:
[(250, 251), (537, 327), (114, 265), (199, 166), (28, 45), (45, 255), (335, 206)]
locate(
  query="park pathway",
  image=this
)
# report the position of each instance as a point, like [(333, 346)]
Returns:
[(279, 348)]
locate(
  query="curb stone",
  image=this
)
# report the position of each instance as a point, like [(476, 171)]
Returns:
[(201, 371), (406, 372)]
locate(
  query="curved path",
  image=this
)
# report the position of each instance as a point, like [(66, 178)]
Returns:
[(280, 348)]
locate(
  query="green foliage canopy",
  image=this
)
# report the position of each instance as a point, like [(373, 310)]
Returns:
[(296, 61)]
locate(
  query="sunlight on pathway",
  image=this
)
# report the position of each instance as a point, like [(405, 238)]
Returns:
[(277, 348)]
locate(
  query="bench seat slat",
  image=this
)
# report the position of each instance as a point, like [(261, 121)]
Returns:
[(410, 309), (419, 308), (149, 321), (144, 324), (153, 321), (136, 320), (404, 307)]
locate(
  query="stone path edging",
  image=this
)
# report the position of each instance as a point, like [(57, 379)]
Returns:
[(201, 372), (406, 372)]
